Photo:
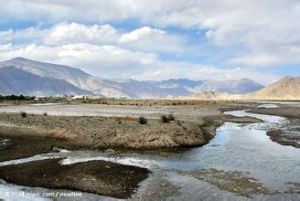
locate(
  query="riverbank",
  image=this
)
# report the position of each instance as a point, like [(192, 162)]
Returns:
[(282, 137), (288, 112), (232, 165), (111, 132), (288, 135), (23, 136), (99, 177)]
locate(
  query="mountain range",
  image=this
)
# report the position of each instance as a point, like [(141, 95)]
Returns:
[(28, 77), (287, 88)]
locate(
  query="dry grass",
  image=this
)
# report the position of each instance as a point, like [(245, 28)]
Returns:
[(149, 102), (128, 118), (101, 132)]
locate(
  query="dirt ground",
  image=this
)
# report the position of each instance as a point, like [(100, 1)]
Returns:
[(99, 177), (288, 112), (190, 127), (36, 133)]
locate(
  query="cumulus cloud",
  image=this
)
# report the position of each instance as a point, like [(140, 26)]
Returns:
[(256, 27), (137, 34), (152, 39), (170, 69), (115, 62), (255, 33), (141, 39), (102, 60), (64, 33)]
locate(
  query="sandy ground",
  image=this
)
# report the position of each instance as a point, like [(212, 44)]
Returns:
[(108, 132), (106, 126), (154, 112), (183, 112)]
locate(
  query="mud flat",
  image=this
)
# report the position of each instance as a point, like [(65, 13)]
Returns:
[(284, 137), (16, 146), (99, 177), (288, 112), (288, 134)]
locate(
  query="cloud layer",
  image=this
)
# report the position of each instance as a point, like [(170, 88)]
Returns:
[(254, 34)]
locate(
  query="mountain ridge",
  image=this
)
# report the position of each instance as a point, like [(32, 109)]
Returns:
[(287, 88), (88, 84), (22, 82)]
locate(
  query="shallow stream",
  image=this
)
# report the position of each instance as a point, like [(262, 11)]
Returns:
[(240, 163)]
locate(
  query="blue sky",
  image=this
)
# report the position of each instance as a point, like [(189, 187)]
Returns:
[(154, 40)]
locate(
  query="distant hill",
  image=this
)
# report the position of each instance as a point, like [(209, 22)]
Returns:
[(241, 86), (28, 77), (59, 74), (17, 81), (288, 88)]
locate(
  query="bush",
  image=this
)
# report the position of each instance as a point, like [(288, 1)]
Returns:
[(23, 114), (164, 119), (167, 118), (119, 120), (171, 117), (142, 120), (16, 97)]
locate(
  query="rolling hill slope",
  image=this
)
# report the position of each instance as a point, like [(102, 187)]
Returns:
[(40, 78)]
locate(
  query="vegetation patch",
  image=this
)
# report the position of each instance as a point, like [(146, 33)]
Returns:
[(142, 120), (99, 177), (167, 118), (23, 114)]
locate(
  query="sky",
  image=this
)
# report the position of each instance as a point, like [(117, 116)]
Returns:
[(157, 39)]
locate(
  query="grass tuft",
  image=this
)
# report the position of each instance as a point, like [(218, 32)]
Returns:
[(142, 120), (167, 118), (23, 114)]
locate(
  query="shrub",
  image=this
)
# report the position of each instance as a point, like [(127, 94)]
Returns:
[(142, 120), (171, 117), (23, 114), (164, 119), (167, 118), (119, 120)]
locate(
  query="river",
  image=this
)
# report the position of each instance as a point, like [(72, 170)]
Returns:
[(240, 163)]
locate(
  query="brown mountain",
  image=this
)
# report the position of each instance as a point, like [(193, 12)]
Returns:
[(287, 88)]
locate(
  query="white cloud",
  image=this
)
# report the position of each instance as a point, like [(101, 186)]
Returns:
[(115, 62), (267, 32), (28, 34), (267, 27), (137, 34), (64, 33), (166, 70), (141, 39), (103, 60), (151, 39), (259, 33)]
